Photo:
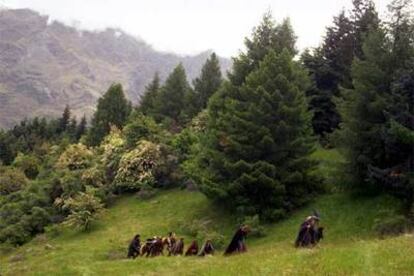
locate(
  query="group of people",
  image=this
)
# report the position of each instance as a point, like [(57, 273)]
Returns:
[(309, 235), (175, 246)]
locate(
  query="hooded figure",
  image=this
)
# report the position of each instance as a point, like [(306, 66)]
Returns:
[(207, 249), (309, 233), (237, 244), (134, 247), (192, 249)]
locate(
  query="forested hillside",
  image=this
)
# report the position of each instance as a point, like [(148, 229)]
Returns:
[(321, 140)]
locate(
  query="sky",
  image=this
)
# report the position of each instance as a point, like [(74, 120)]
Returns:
[(189, 27)]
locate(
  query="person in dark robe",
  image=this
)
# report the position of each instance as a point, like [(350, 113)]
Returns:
[(134, 247), (170, 242), (178, 248), (309, 232), (237, 244), (207, 249), (192, 249)]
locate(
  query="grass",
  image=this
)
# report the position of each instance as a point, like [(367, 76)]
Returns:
[(350, 246)]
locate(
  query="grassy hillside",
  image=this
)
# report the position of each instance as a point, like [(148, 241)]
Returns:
[(350, 247)]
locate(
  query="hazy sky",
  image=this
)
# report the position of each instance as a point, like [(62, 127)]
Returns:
[(192, 26)]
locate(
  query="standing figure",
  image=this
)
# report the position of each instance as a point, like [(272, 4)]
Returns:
[(193, 249), (178, 248), (170, 241), (207, 249), (237, 244), (134, 247), (309, 232)]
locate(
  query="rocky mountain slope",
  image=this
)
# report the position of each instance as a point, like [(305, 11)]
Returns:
[(45, 65)]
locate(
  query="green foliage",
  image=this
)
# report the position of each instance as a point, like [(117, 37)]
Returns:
[(27, 163), (137, 167), (11, 180), (149, 101), (83, 209), (176, 98), (208, 82), (113, 109), (140, 127), (75, 157), (256, 156), (266, 37), (392, 226)]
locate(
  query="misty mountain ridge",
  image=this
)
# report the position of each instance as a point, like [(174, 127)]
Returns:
[(45, 65)]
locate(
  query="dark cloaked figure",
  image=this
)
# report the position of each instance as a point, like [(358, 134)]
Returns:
[(237, 244), (192, 249), (178, 248), (207, 249), (309, 233), (134, 247)]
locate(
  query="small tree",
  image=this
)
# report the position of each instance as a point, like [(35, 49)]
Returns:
[(83, 209)]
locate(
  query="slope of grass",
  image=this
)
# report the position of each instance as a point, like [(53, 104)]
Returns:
[(349, 247)]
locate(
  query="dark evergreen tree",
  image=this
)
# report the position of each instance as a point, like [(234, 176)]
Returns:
[(148, 104), (362, 110), (176, 98), (64, 121), (255, 154), (330, 65), (113, 109), (81, 129), (208, 82), (267, 36)]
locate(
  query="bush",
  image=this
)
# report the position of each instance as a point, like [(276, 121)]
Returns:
[(75, 157), (137, 167), (83, 209), (29, 164), (140, 127), (11, 180)]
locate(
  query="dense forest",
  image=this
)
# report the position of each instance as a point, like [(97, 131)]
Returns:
[(243, 139)]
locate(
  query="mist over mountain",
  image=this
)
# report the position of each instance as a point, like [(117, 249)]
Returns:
[(46, 65)]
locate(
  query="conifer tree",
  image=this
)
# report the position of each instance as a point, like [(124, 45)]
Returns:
[(81, 129), (64, 121), (113, 109), (267, 36), (254, 156), (175, 100), (148, 104), (208, 82)]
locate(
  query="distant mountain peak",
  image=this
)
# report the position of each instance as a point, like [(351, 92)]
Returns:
[(45, 65)]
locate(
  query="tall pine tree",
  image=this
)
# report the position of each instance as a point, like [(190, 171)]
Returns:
[(113, 109), (208, 82), (148, 104), (255, 155)]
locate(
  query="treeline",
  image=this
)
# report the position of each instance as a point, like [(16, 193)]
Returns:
[(245, 141)]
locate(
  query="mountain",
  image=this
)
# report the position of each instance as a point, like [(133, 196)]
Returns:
[(46, 65)]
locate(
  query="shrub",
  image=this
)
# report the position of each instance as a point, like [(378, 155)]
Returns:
[(75, 157), (29, 164), (140, 127), (137, 167), (11, 180), (83, 209)]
